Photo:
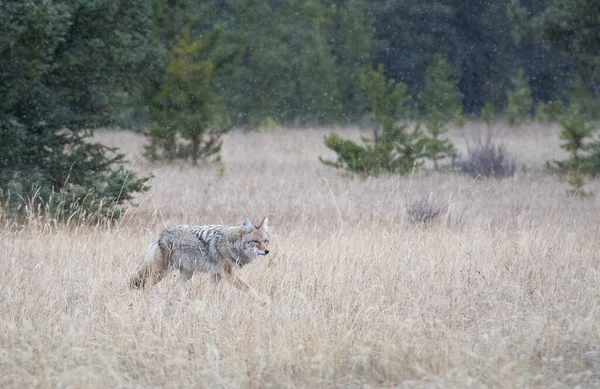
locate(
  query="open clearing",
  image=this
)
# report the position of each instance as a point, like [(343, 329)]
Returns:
[(502, 291)]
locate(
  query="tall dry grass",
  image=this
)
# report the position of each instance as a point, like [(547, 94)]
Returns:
[(503, 290)]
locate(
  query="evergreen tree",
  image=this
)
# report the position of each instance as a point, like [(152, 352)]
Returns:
[(392, 148), (62, 64), (439, 104), (486, 55), (440, 97), (434, 146), (408, 34), (519, 100), (186, 118), (564, 34), (349, 32), (583, 99), (488, 114), (474, 36), (583, 149), (285, 71), (569, 27)]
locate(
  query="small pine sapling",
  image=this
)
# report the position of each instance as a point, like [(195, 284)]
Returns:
[(584, 152), (187, 120), (391, 149), (520, 100)]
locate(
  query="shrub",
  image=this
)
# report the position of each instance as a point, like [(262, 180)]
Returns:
[(488, 159), (423, 211)]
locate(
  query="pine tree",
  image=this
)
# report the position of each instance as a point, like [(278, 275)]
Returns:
[(187, 121), (392, 148), (285, 71), (520, 102), (63, 63), (349, 32), (568, 27), (581, 97), (584, 151), (439, 104), (488, 114), (440, 97)]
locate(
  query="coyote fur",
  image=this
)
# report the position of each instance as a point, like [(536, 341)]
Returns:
[(213, 249)]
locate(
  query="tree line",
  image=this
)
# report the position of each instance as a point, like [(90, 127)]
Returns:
[(300, 61)]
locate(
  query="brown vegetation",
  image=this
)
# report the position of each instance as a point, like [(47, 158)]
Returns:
[(501, 290)]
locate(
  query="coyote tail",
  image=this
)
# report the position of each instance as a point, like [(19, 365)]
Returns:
[(144, 271)]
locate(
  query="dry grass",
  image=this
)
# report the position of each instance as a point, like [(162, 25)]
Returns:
[(502, 290)]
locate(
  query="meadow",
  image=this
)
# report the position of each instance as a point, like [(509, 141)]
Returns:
[(501, 291)]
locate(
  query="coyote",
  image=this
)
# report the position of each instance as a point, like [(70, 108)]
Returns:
[(213, 249)]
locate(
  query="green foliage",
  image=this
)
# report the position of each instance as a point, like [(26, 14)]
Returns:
[(349, 27), (488, 114), (520, 102), (584, 151), (354, 158), (542, 113), (436, 148), (474, 36), (581, 98), (440, 99), (569, 27), (386, 99), (396, 152), (566, 32), (577, 183), (286, 68), (187, 122), (439, 104), (62, 68), (577, 135), (392, 149), (297, 62), (549, 112)]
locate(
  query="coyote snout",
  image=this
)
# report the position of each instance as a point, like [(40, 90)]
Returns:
[(213, 249)]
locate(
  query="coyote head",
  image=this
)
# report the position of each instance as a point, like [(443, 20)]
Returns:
[(255, 238)]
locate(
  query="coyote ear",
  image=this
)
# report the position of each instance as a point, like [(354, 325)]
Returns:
[(264, 224), (246, 225)]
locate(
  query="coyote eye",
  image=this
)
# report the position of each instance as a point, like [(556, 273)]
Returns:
[(267, 241)]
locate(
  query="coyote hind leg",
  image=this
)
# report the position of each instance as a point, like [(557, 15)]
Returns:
[(158, 271)]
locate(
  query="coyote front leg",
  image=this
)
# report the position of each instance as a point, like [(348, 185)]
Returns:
[(241, 284)]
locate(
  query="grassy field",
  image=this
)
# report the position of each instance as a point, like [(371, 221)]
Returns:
[(502, 291)]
